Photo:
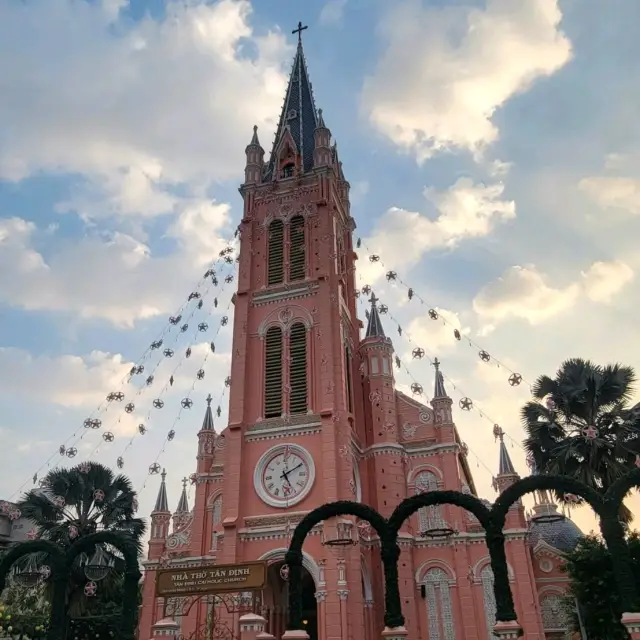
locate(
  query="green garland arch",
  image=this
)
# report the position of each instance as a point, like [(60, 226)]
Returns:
[(61, 563), (390, 553), (59, 578)]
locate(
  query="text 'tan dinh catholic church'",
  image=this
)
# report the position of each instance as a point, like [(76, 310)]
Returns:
[(314, 417)]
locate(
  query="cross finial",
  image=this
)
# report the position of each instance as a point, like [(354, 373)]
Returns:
[(299, 31), (163, 474), (373, 298), (184, 482), (209, 400), (436, 364)]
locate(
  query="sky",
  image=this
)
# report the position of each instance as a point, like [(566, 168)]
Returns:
[(492, 149)]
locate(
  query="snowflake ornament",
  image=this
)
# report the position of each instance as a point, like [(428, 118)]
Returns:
[(45, 571), (98, 495), (90, 589), (15, 514), (550, 404)]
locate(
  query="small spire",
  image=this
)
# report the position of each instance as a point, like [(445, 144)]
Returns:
[(254, 137), (542, 497), (162, 503), (374, 326), (207, 423), (183, 503), (439, 390), (321, 124), (505, 467)]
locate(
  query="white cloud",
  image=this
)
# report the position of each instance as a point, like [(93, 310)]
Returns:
[(464, 210), (523, 292), (139, 109), (332, 12), (67, 381), (613, 192), (604, 280), (116, 278), (436, 336), (526, 293), (445, 71)]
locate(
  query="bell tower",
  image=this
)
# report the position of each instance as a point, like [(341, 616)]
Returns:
[(294, 399)]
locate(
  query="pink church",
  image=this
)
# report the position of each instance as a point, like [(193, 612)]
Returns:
[(314, 417)]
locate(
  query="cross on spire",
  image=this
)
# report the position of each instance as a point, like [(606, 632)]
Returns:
[(436, 364), (163, 474), (299, 31), (209, 400), (184, 482), (373, 298)]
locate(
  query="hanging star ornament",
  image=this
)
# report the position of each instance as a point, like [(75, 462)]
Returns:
[(590, 432)]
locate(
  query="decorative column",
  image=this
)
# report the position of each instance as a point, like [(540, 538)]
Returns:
[(251, 624), (321, 597), (510, 630), (344, 618), (632, 622), (398, 633)]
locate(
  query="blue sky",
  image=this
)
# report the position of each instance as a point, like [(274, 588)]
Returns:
[(493, 153)]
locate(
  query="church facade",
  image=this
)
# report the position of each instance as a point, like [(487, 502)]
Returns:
[(314, 417)]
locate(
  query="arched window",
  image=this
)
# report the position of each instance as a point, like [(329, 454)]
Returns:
[(273, 373), (429, 518), (489, 598), (439, 609), (216, 518), (297, 253), (298, 369), (276, 253), (554, 613)]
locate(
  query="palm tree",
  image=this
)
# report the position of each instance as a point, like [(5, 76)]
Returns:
[(71, 503), (585, 428)]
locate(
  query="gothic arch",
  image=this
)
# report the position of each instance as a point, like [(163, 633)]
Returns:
[(551, 590), (434, 563), (477, 568), (285, 319), (212, 498), (366, 580), (307, 562), (413, 473)]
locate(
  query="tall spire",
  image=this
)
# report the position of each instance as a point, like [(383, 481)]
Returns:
[(162, 503), (183, 503), (207, 423), (299, 114), (439, 391), (374, 326), (505, 467)]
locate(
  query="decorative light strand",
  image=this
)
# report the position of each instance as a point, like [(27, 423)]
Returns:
[(182, 404), (104, 405), (392, 276), (186, 353)]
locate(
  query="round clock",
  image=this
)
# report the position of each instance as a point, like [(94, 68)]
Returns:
[(284, 475)]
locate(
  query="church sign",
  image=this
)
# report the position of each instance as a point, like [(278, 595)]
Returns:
[(220, 578)]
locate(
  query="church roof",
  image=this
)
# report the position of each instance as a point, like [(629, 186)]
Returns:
[(162, 503), (374, 324), (562, 534), (299, 114)]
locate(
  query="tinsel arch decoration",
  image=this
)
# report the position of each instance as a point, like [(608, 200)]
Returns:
[(389, 550), (59, 578), (132, 573)]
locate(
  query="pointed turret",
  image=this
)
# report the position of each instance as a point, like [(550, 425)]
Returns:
[(297, 125), (507, 473), (322, 138), (255, 160), (374, 324), (162, 502), (207, 423), (438, 390), (182, 514)]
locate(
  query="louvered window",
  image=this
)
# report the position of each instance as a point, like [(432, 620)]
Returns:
[(273, 373), (276, 252), (490, 607), (297, 257), (298, 370), (439, 606)]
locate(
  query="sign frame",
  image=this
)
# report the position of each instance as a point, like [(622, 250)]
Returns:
[(195, 587)]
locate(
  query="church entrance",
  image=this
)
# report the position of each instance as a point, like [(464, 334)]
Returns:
[(276, 602)]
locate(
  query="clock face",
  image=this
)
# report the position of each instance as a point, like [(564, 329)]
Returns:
[(284, 475)]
